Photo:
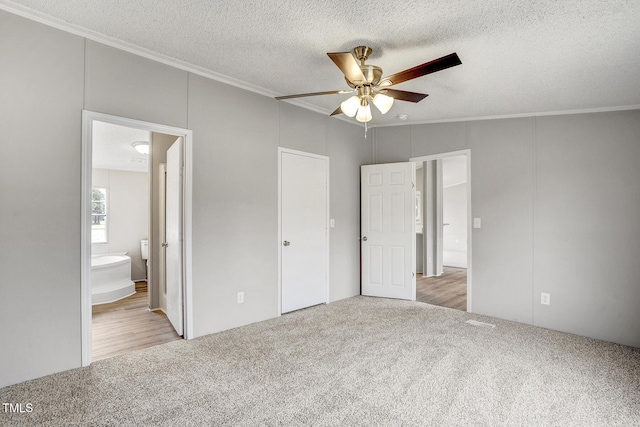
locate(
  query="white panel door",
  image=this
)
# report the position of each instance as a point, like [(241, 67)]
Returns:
[(304, 239), (173, 244), (388, 230)]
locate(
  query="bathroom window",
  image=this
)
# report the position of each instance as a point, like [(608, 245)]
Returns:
[(99, 215)]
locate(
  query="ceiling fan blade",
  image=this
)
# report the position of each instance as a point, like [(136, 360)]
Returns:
[(349, 66), (337, 111), (301, 95), (439, 64), (403, 95)]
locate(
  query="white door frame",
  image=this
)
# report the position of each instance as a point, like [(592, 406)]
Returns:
[(467, 154), (88, 117), (279, 242), (162, 199)]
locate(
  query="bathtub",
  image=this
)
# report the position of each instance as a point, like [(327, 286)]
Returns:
[(110, 278)]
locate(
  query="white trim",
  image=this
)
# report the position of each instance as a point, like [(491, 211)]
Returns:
[(85, 240), (282, 150), (440, 156), (466, 153), (88, 117), (162, 224), (278, 238), (187, 229), (517, 115)]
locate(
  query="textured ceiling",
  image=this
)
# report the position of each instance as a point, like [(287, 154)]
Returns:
[(518, 57), (113, 149)]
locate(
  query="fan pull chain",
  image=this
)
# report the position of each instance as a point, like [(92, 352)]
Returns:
[(365, 130)]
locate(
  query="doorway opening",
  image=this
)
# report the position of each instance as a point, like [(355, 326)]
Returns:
[(443, 230), (136, 235)]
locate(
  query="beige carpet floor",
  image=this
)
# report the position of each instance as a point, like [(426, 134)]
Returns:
[(361, 361)]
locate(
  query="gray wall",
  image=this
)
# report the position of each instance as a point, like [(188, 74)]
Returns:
[(40, 117), (235, 246), (432, 218), (559, 200), (236, 134)]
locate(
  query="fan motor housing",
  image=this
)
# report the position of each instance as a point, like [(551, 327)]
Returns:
[(372, 74)]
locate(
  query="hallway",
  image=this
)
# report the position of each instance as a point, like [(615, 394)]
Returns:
[(448, 290)]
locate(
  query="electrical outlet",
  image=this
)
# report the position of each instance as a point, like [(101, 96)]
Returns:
[(545, 299), (240, 297)]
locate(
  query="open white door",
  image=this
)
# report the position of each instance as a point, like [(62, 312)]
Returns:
[(173, 245), (388, 230), (304, 239)]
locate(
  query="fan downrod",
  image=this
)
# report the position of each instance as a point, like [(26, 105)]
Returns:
[(362, 53)]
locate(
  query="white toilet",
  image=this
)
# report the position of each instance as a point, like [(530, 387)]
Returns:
[(144, 252)]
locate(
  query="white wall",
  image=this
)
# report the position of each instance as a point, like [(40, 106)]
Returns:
[(47, 77), (454, 235), (559, 199), (128, 215)]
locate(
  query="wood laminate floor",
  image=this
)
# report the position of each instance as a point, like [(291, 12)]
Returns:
[(127, 325), (447, 290)]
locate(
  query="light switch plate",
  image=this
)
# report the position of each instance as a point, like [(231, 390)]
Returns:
[(477, 223), (332, 223)]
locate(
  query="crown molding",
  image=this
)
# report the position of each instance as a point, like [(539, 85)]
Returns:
[(77, 30), (59, 24), (519, 115)]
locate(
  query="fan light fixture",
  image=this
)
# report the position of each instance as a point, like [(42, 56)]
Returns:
[(383, 102), (371, 87), (350, 106), (141, 147), (364, 112), (358, 106)]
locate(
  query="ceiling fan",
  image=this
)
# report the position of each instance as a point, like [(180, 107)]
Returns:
[(369, 86)]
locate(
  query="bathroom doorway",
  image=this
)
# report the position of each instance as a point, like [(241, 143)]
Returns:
[(443, 224), (124, 302)]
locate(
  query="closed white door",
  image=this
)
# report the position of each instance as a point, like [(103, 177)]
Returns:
[(173, 244), (304, 230), (388, 230)]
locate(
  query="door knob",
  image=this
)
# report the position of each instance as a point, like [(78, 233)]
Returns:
[(286, 243), (364, 238), (165, 244)]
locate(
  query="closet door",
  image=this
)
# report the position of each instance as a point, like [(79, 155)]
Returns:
[(304, 239)]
